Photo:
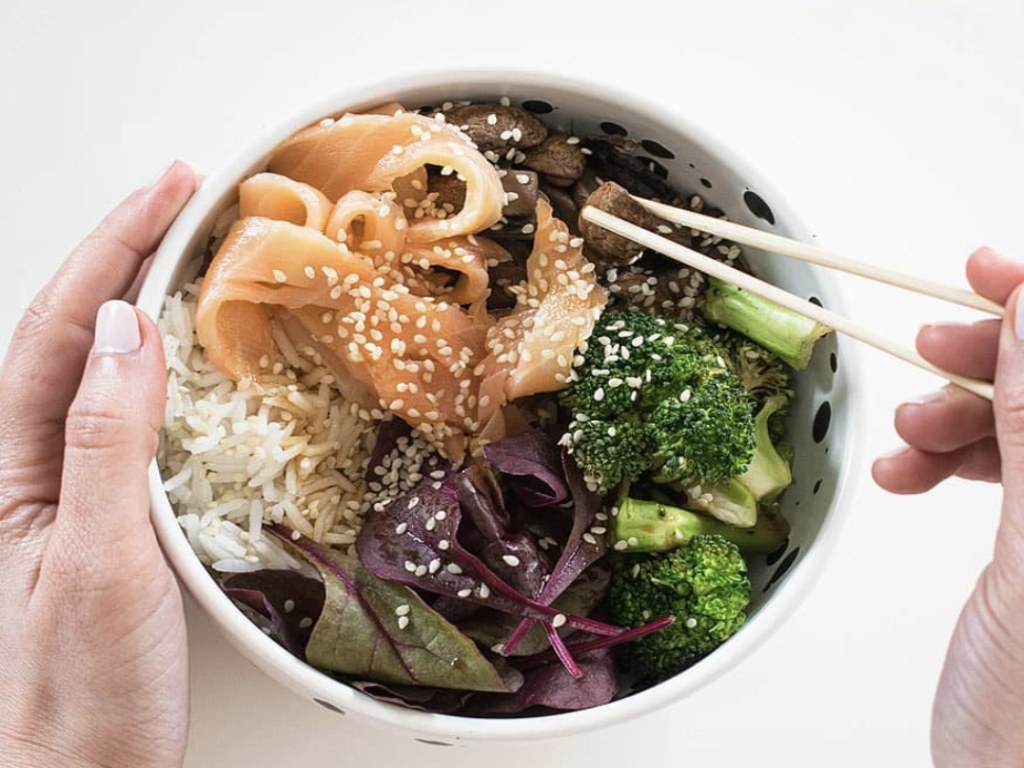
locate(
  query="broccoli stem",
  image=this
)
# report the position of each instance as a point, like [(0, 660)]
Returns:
[(789, 335), (650, 526), (730, 501), (768, 474)]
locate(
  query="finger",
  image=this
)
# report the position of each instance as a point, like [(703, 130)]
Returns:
[(132, 294), (994, 275), (970, 350), (1009, 400), (111, 437), (52, 341), (909, 470), (945, 420)]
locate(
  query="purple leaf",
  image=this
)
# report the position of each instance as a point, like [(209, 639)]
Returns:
[(550, 685), (513, 556), (285, 599), (587, 543), (388, 435), (413, 540), (377, 630), (490, 628), (533, 465)]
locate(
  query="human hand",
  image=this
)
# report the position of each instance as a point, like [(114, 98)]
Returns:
[(979, 704), (93, 662)]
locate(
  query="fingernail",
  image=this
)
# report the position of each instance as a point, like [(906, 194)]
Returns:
[(162, 175), (1018, 318), (117, 329), (895, 452), (932, 397)]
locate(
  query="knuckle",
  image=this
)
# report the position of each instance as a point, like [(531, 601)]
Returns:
[(92, 427), (39, 314), (1010, 415)]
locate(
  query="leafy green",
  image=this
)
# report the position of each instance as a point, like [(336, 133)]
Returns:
[(360, 631)]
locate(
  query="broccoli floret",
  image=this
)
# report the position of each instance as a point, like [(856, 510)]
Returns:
[(763, 374), (769, 473), (638, 525), (789, 335), (703, 584), (706, 433), (673, 402), (614, 450)]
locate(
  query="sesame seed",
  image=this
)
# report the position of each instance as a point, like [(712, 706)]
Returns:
[(598, 393), (309, 272), (280, 276), (589, 538), (464, 593), (511, 560), (435, 565), (620, 545), (403, 622), (421, 570), (484, 591), (443, 544), (401, 528), (559, 620), (402, 610), (633, 541), (306, 623), (691, 623), (410, 566), (453, 568)]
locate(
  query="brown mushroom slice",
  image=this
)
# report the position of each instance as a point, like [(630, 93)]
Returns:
[(613, 249), (497, 128), (559, 159)]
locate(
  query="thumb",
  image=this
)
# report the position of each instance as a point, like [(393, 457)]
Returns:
[(111, 435), (1009, 414)]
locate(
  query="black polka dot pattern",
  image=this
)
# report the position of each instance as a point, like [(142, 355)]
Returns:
[(328, 705), (758, 206)]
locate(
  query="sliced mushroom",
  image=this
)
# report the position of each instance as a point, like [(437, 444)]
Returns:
[(613, 249), (496, 128), (558, 159)]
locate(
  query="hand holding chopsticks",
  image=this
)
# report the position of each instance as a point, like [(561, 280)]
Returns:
[(803, 251)]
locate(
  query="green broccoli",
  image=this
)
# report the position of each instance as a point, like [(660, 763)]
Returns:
[(762, 373), (655, 395), (702, 583), (704, 434), (768, 474), (788, 334), (639, 525)]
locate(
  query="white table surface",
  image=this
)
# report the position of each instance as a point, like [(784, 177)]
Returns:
[(894, 127)]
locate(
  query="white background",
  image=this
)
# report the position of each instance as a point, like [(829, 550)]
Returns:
[(895, 128)]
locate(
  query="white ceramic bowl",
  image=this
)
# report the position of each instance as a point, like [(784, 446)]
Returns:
[(821, 419)]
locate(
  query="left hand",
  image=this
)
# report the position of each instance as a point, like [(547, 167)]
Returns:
[(93, 661)]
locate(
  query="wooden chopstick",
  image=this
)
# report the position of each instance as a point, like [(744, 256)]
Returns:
[(768, 291), (814, 254)]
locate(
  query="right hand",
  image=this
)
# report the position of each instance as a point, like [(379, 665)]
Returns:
[(978, 715)]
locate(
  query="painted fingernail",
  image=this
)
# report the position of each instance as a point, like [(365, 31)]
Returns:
[(932, 397), (895, 452), (117, 329), (1018, 318)]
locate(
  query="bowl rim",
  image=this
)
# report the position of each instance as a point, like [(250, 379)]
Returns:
[(300, 676)]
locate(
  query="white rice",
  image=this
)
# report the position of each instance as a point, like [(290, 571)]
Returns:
[(234, 457)]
